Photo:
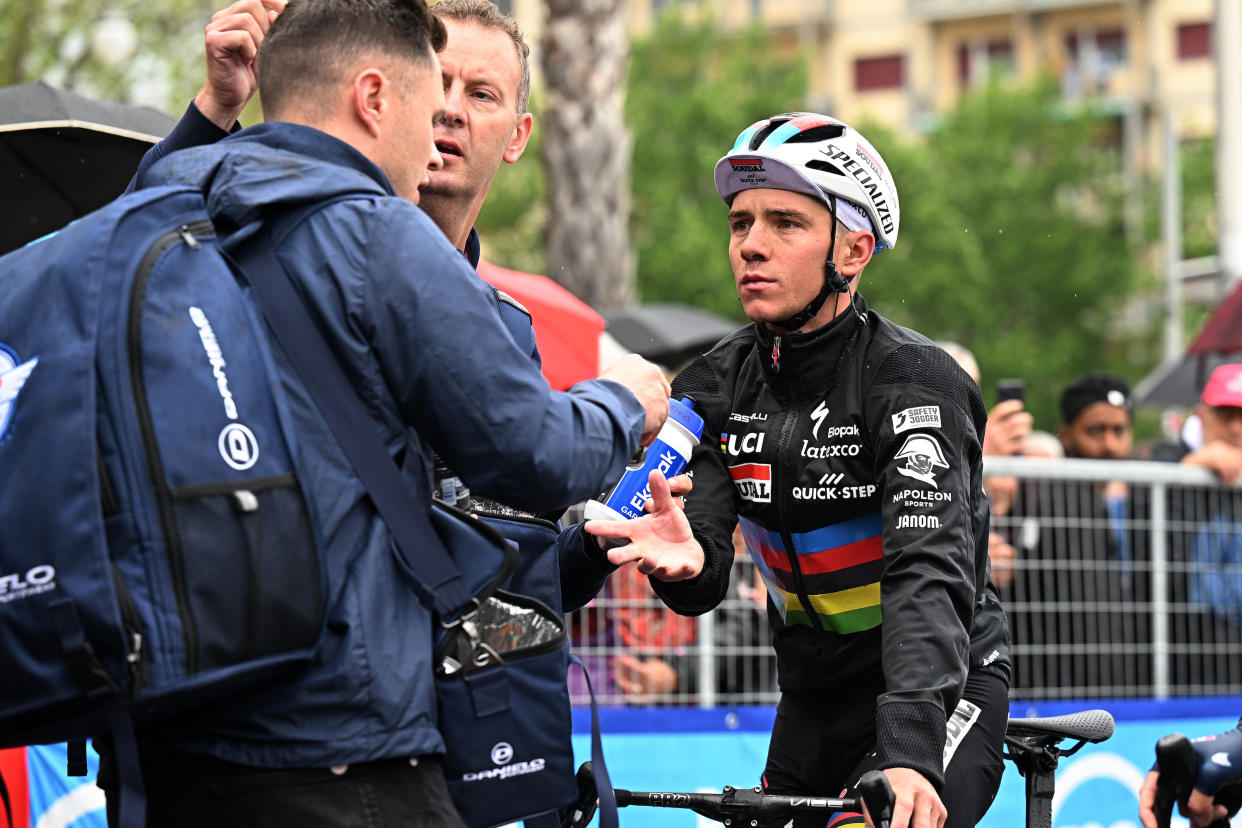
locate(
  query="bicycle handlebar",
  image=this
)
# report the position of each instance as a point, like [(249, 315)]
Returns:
[(745, 807), (1178, 765)]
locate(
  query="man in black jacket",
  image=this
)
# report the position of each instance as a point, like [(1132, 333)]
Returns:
[(848, 449)]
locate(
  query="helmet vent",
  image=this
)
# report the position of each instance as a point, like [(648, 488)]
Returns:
[(824, 166), (762, 135), (818, 133)]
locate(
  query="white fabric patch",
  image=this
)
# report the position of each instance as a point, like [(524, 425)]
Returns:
[(959, 724), (925, 416)]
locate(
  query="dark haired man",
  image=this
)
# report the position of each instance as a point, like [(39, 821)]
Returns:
[(352, 90)]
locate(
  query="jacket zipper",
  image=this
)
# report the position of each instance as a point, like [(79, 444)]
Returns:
[(172, 542), (782, 494)]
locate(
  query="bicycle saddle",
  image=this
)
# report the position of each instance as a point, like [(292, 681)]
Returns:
[(1087, 725)]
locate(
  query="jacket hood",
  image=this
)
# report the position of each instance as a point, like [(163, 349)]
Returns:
[(286, 165)]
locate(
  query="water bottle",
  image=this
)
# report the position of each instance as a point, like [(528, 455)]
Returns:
[(668, 454)]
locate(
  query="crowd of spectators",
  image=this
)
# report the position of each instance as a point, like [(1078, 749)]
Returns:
[(1071, 559)]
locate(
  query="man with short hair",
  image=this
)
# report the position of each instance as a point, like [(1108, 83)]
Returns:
[(486, 76), (858, 491), (353, 91), (1096, 412)]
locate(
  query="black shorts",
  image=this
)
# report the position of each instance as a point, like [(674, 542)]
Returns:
[(821, 747)]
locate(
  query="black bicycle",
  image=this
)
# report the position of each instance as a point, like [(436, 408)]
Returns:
[(1034, 745), (1179, 765)]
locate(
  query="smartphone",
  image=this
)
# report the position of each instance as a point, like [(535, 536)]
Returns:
[(1010, 389)]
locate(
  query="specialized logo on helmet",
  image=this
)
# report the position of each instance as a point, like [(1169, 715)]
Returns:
[(870, 183), (923, 456), (12, 377), (502, 755), (237, 444)]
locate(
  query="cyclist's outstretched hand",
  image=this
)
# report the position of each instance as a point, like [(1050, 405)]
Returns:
[(915, 802), (660, 542)]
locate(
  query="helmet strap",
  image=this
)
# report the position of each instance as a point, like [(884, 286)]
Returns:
[(833, 282)]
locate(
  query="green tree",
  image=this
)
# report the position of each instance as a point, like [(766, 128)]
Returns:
[(1012, 242), (53, 40), (691, 90)]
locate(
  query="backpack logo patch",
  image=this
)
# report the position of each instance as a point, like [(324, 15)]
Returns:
[(13, 376), (238, 446), (37, 579)]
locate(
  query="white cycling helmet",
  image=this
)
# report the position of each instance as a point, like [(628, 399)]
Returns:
[(818, 156)]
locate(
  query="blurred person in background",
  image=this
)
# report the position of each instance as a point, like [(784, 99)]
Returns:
[(744, 666), (1008, 425), (1075, 556), (1205, 545)]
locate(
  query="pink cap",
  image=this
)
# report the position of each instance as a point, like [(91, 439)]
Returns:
[(1224, 387)]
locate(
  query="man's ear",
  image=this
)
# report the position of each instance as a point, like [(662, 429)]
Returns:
[(857, 247), (370, 104), (517, 140)]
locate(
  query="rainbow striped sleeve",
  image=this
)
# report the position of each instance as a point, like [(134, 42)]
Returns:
[(841, 567)]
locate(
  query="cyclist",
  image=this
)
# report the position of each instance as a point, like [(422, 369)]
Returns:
[(1220, 762), (848, 448)]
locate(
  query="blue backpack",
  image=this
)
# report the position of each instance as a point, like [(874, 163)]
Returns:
[(154, 543), (156, 549)]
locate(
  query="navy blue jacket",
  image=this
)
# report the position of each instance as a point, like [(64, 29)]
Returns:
[(583, 565), (421, 338)]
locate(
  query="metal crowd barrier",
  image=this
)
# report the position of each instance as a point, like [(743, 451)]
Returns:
[(1138, 598)]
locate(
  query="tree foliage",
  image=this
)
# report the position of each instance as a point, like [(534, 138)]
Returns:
[(691, 90), (52, 40), (1012, 243)]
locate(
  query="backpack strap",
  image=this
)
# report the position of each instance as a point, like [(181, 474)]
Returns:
[(439, 583), (608, 817)]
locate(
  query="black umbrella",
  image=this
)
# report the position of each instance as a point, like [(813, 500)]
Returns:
[(1181, 382), (63, 155), (666, 333), (1219, 343)]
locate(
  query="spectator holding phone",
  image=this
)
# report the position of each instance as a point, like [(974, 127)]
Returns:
[(1008, 425)]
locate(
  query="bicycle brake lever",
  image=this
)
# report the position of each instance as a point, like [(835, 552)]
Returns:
[(1177, 764), (578, 814), (877, 795)]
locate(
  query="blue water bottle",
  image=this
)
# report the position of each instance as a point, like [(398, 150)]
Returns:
[(669, 454)]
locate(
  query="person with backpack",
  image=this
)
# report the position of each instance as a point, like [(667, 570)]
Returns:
[(486, 123), (849, 450), (352, 92)]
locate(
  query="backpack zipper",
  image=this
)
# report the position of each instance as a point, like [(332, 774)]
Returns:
[(163, 497), (135, 655)]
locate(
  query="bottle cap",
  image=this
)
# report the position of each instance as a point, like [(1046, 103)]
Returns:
[(682, 412)]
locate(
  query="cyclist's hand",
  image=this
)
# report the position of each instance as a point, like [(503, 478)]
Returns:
[(660, 542), (679, 487), (915, 802), (1199, 807)]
